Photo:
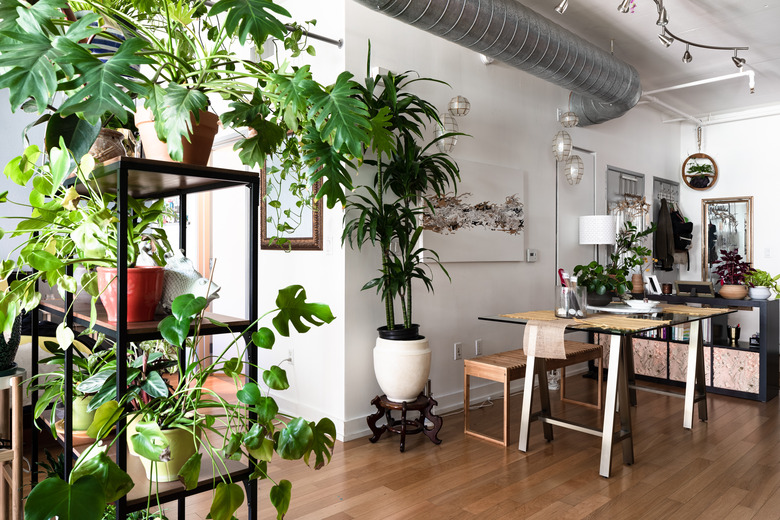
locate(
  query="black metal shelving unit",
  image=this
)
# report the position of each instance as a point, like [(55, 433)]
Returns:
[(148, 179)]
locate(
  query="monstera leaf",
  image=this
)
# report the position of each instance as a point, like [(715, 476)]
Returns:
[(294, 309)]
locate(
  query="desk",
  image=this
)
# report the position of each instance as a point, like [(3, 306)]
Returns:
[(620, 365)]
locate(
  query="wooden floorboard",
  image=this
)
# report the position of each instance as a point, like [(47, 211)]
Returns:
[(727, 468)]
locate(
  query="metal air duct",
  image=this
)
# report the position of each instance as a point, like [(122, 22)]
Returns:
[(603, 87)]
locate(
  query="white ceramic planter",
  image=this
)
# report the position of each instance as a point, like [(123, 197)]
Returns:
[(759, 293), (402, 367)]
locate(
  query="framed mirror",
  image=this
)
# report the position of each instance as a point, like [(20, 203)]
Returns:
[(727, 224)]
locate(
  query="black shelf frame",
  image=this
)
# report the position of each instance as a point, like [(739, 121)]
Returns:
[(768, 349), (149, 179)]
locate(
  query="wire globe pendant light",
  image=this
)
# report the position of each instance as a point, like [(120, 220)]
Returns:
[(561, 145)]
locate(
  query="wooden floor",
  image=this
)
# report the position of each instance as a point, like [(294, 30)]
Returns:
[(727, 468)]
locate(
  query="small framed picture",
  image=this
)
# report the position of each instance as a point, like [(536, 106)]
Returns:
[(689, 288), (652, 285)]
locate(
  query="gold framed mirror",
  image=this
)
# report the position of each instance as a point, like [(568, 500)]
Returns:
[(727, 224)]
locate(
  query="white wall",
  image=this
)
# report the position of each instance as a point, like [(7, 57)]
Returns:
[(512, 123)]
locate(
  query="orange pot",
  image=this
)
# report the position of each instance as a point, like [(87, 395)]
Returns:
[(196, 151), (144, 290)]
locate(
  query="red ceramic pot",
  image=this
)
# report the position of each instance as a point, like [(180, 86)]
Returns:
[(144, 290)]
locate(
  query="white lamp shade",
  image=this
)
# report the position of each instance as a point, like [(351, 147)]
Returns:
[(561, 146), (597, 229), (448, 125)]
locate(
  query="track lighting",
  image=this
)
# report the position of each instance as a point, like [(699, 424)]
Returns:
[(739, 62), (687, 55), (624, 6), (666, 40), (562, 6)]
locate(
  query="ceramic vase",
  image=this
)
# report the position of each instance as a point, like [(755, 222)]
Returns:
[(402, 367), (733, 292), (144, 290), (759, 293), (182, 445)]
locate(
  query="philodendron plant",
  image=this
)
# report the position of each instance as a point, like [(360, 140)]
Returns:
[(251, 429)]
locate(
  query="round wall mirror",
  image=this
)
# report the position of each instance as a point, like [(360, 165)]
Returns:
[(699, 171)]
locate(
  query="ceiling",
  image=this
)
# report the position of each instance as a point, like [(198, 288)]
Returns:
[(726, 23)]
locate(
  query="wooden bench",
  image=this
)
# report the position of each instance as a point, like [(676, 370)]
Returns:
[(505, 367)]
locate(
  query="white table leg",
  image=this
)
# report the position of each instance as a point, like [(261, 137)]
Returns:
[(694, 349), (528, 393), (609, 406)]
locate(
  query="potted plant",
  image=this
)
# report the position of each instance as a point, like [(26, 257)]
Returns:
[(387, 213), (604, 282), (700, 174), (251, 428), (732, 271), (63, 228), (52, 384), (761, 284)]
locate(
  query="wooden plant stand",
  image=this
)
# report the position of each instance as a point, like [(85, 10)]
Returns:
[(405, 426)]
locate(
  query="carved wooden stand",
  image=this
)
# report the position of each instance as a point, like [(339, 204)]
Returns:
[(423, 404)]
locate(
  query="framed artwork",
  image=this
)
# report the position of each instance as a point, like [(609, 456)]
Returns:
[(307, 236), (653, 287)]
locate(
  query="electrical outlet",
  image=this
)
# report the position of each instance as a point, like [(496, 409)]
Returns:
[(458, 351), (290, 355), (478, 347)]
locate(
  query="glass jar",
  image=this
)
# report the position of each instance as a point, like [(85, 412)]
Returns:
[(571, 302)]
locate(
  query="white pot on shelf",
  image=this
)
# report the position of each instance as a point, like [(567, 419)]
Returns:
[(759, 293)]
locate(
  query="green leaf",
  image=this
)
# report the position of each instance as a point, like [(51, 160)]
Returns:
[(44, 261), (106, 393), (264, 451), (115, 482), (64, 336), (149, 442), (188, 306), (82, 500), (250, 394), (266, 409), (155, 385), (276, 378), (180, 104), (78, 134), (189, 473), (264, 338), (233, 367), (295, 440), (233, 447), (253, 150), (227, 499), (105, 417), (280, 498), (59, 166), (174, 331), (93, 383), (21, 168), (323, 440), (293, 309), (105, 86), (251, 18)]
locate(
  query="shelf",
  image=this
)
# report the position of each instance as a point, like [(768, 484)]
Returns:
[(157, 179), (143, 330)]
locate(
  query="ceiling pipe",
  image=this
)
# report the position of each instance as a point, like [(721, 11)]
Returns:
[(603, 87), (749, 73)]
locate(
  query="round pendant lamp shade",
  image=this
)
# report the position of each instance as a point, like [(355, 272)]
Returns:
[(448, 125), (561, 146), (574, 169)]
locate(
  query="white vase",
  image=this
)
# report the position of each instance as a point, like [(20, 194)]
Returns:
[(402, 367), (759, 293)]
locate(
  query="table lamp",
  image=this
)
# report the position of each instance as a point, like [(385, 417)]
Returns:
[(597, 230)]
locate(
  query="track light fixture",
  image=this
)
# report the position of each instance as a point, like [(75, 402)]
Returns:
[(687, 55), (667, 37), (739, 62), (562, 7)]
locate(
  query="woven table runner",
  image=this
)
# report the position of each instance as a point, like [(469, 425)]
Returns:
[(614, 322), (544, 339), (532, 315), (693, 311)]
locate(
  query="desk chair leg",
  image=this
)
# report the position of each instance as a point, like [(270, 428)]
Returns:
[(701, 381), (544, 397), (609, 406), (528, 393), (467, 400)]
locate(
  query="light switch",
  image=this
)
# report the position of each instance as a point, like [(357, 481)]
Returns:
[(531, 255)]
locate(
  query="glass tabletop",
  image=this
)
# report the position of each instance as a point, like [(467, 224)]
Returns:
[(623, 324)]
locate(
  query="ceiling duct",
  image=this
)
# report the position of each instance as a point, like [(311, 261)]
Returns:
[(603, 87)]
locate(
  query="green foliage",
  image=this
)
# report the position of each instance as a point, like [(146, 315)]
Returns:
[(81, 500), (389, 210), (698, 169), (759, 278), (629, 254)]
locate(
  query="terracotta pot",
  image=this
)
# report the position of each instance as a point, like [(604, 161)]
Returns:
[(196, 151), (107, 145), (733, 292), (144, 290)]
